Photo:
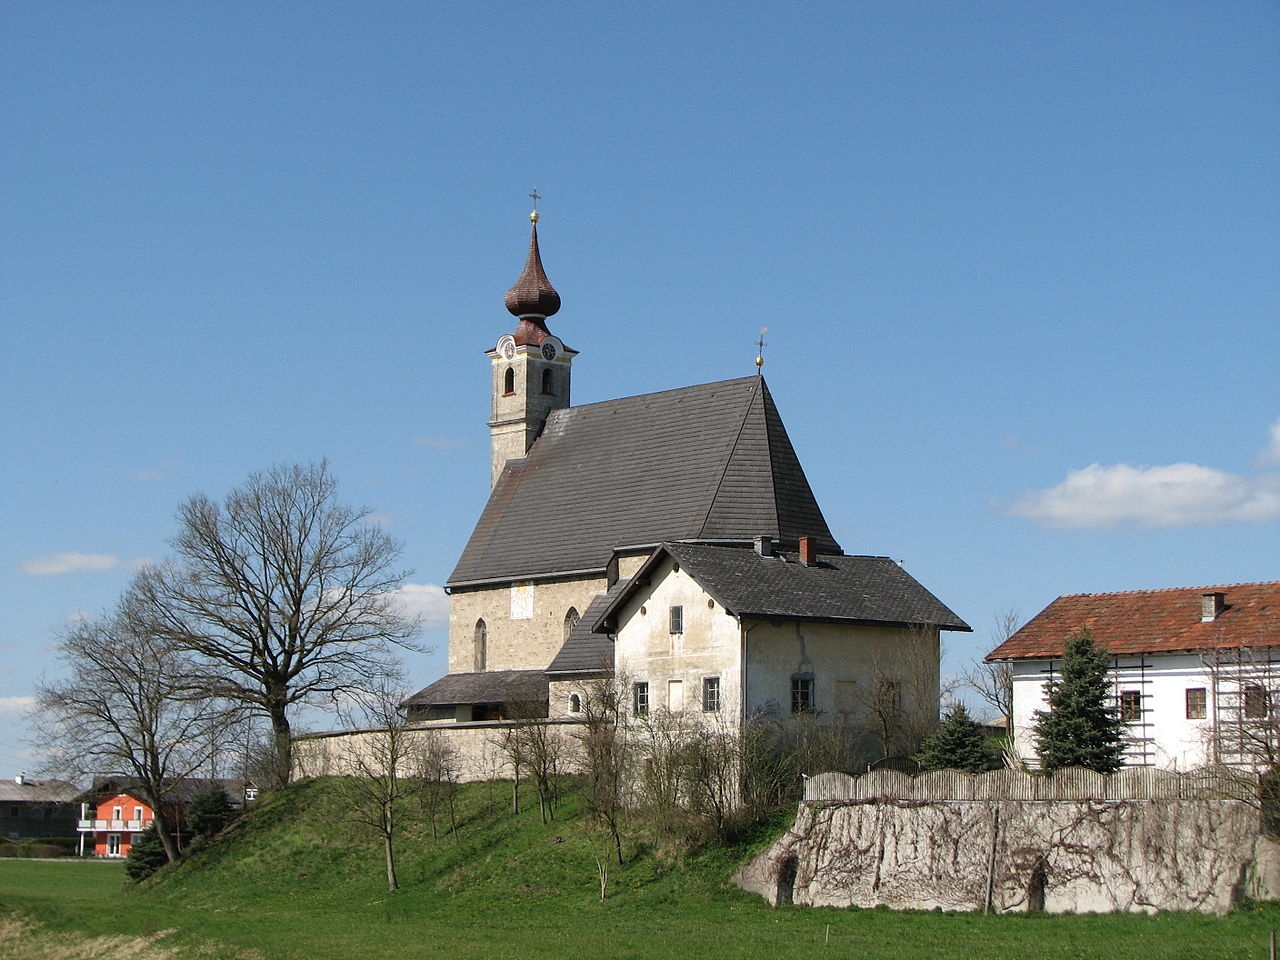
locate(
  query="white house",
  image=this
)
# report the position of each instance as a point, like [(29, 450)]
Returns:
[(1195, 670)]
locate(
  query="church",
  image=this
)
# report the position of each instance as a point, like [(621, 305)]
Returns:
[(670, 539)]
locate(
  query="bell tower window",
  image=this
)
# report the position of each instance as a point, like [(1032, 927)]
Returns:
[(509, 382), (548, 384), (481, 645)]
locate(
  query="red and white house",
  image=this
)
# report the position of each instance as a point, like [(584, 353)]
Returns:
[(1195, 671), (115, 812)]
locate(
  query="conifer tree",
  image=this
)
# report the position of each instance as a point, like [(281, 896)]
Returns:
[(210, 812), (1081, 728), (146, 855), (959, 744)]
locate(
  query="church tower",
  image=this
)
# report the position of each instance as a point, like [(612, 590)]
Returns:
[(530, 367)]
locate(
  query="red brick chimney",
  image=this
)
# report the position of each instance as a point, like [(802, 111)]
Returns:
[(807, 555)]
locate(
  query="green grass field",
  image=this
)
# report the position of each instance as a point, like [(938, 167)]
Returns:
[(294, 880)]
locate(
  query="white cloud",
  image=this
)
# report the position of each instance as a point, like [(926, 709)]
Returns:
[(382, 518), (425, 600), (16, 704), (57, 564), (1174, 495)]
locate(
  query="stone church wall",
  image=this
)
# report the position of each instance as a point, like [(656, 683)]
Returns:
[(515, 644), (1017, 855)]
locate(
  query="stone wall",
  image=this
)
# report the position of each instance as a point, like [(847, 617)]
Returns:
[(1015, 855), (476, 747)]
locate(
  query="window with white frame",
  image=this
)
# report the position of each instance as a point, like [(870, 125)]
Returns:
[(640, 699), (711, 694), (677, 619), (802, 693)]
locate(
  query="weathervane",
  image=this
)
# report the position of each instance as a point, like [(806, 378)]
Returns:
[(760, 354), (536, 197)]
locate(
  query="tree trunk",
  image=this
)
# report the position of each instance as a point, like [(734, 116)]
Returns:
[(165, 833), (281, 741), (392, 883)]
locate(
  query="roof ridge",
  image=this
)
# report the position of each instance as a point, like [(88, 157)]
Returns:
[(653, 393), (1209, 586)]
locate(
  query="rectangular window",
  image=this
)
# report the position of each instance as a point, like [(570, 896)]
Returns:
[(113, 845), (117, 813), (1130, 705), (137, 813), (711, 694), (1255, 702), (1196, 703), (802, 694), (675, 695), (640, 699), (677, 619)]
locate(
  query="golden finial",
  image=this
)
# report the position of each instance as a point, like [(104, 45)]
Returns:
[(760, 347), (533, 217)]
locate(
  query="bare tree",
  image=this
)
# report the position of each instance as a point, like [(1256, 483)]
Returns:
[(282, 593), (379, 765), (129, 705), (901, 700), (992, 681), (606, 761), (437, 766)]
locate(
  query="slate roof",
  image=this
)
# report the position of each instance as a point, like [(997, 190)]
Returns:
[(708, 462), (1151, 621), (180, 791), (492, 686), (37, 791), (873, 590), (586, 651)]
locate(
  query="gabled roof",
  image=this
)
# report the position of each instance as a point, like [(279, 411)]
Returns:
[(585, 651), (709, 462), (1151, 621), (37, 791), (493, 686), (871, 590)]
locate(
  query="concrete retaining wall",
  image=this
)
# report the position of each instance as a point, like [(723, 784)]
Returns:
[(1015, 855)]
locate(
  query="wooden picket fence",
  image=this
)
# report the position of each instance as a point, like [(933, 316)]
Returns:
[(1071, 783)]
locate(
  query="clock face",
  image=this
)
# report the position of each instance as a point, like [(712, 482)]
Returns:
[(507, 347), (548, 350)]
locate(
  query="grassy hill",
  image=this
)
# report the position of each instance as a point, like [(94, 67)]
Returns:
[(295, 879)]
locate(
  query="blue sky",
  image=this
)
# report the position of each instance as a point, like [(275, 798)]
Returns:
[(1018, 263)]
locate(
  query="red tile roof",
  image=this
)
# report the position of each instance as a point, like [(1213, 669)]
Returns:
[(1151, 621)]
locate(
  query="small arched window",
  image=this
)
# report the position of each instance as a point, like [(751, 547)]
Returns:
[(509, 382), (570, 621), (575, 703), (548, 383), (481, 645)]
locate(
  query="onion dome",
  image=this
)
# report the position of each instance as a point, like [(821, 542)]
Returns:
[(532, 298)]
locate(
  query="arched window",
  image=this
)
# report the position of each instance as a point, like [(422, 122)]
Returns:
[(1255, 702), (482, 645), (509, 382), (548, 384), (575, 703), (570, 621)]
